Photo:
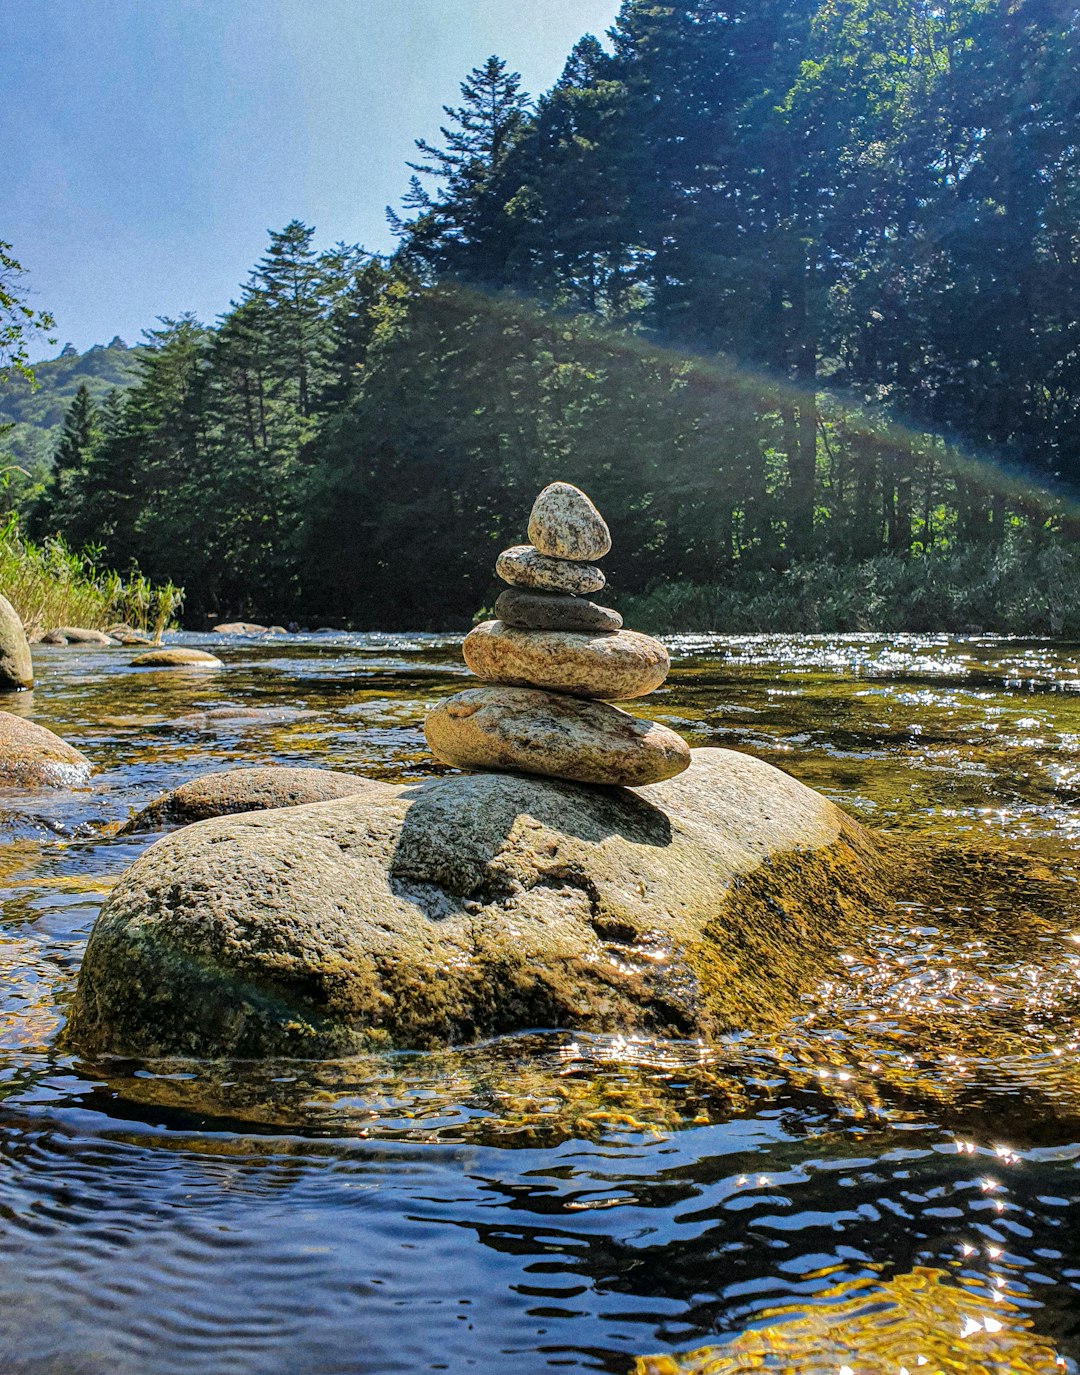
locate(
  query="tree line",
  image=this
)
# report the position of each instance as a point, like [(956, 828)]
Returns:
[(778, 282)]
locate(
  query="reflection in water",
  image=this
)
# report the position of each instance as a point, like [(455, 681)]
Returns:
[(893, 1180)]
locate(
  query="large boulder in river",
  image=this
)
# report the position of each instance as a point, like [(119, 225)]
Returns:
[(31, 756), (176, 656), (16, 670), (244, 790), (458, 908)]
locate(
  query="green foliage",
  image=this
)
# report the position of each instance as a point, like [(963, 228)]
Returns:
[(19, 321), (1014, 590), (50, 585)]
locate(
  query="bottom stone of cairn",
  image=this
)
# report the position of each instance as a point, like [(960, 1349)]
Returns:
[(531, 731)]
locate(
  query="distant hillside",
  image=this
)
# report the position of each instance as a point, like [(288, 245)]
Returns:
[(36, 415)]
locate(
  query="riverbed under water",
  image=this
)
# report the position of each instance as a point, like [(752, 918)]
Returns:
[(891, 1185)]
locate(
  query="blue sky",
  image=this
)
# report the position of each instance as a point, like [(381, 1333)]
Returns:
[(150, 144)]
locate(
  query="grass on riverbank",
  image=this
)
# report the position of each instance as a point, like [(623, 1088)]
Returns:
[(1007, 591), (49, 585)]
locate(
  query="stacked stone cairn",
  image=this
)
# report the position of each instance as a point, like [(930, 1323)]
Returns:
[(553, 663)]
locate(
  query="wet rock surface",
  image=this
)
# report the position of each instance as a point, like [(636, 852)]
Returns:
[(31, 756)]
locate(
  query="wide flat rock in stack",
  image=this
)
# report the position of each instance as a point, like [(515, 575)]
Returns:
[(562, 737), (524, 566), (612, 668)]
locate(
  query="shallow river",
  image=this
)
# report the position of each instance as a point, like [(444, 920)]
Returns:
[(893, 1185)]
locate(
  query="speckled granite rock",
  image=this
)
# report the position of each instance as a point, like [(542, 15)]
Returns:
[(31, 756), (548, 733), (176, 657), (524, 566), (564, 524), (612, 668), (16, 668), (528, 610), (243, 790), (451, 910)]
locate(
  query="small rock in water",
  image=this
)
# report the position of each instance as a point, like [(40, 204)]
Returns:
[(524, 566), (564, 524), (76, 635), (611, 667), (31, 756), (530, 731), (175, 657), (528, 610), (244, 790)]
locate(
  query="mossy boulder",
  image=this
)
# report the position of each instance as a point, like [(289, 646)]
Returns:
[(443, 912)]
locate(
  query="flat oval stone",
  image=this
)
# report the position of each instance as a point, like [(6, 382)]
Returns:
[(528, 610), (548, 733), (524, 566), (609, 667), (564, 524), (176, 657)]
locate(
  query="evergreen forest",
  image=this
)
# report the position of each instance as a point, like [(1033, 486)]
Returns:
[(790, 287)]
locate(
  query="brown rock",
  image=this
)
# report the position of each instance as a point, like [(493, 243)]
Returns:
[(526, 610), (76, 635), (524, 566), (16, 668), (244, 790), (31, 756), (248, 628), (564, 524), (176, 657), (612, 668), (451, 910), (549, 733)]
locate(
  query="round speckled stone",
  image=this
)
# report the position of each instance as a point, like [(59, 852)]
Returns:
[(610, 667), (547, 733), (524, 566), (554, 611), (564, 524)]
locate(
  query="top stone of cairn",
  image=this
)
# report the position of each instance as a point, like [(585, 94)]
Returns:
[(564, 524)]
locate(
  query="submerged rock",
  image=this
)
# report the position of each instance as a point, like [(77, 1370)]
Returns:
[(451, 910), (244, 790), (31, 756), (612, 668), (16, 668), (565, 524), (524, 566), (176, 657), (548, 733)]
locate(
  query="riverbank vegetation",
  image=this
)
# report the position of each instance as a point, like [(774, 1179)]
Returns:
[(791, 288), (49, 585)]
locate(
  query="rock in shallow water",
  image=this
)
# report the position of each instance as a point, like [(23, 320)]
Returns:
[(454, 909), (612, 668), (528, 610), (244, 790), (31, 756), (564, 524), (548, 733), (16, 668), (523, 566), (176, 657)]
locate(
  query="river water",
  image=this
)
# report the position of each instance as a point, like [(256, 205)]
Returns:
[(892, 1185)]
